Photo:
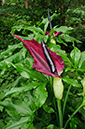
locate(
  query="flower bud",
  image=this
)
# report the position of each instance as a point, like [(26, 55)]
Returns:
[(58, 87), (53, 41)]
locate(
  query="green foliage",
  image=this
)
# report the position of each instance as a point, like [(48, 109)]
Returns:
[(26, 96), (77, 16)]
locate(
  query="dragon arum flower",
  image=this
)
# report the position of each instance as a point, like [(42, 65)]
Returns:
[(40, 64)]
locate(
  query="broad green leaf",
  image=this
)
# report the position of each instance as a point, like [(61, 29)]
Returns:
[(10, 50), (82, 61), (71, 81), (14, 28), (30, 36), (68, 38), (21, 108), (83, 83), (29, 62), (1, 108), (40, 95), (63, 29), (51, 126), (37, 97), (14, 58), (39, 36), (34, 29), (48, 108), (25, 72), (46, 22), (30, 28), (75, 55), (72, 124), (27, 87), (30, 126), (60, 40), (9, 108), (56, 48), (5, 89), (32, 101), (17, 124)]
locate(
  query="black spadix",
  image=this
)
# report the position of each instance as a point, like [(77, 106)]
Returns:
[(48, 58)]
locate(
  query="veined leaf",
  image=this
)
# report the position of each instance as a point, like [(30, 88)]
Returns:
[(82, 61), (27, 87), (63, 29), (51, 126), (46, 21), (75, 55), (21, 108), (71, 81), (68, 38), (38, 37), (83, 83), (34, 29), (25, 72), (10, 50), (17, 124), (40, 94), (14, 58), (30, 28)]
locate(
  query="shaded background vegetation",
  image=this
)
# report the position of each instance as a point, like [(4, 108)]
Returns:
[(71, 13)]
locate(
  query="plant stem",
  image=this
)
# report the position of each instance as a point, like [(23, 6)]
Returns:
[(72, 115), (64, 105), (60, 113), (54, 102)]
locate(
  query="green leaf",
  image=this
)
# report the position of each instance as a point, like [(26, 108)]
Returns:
[(27, 87), (82, 61), (56, 48), (23, 109), (63, 29), (12, 109), (34, 29), (32, 101), (71, 81), (31, 126), (10, 50), (40, 95), (38, 37), (75, 55), (83, 83), (25, 72), (29, 62), (18, 28), (8, 105), (68, 38), (59, 40), (72, 124), (48, 108), (17, 124), (51, 126), (14, 58), (46, 22)]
